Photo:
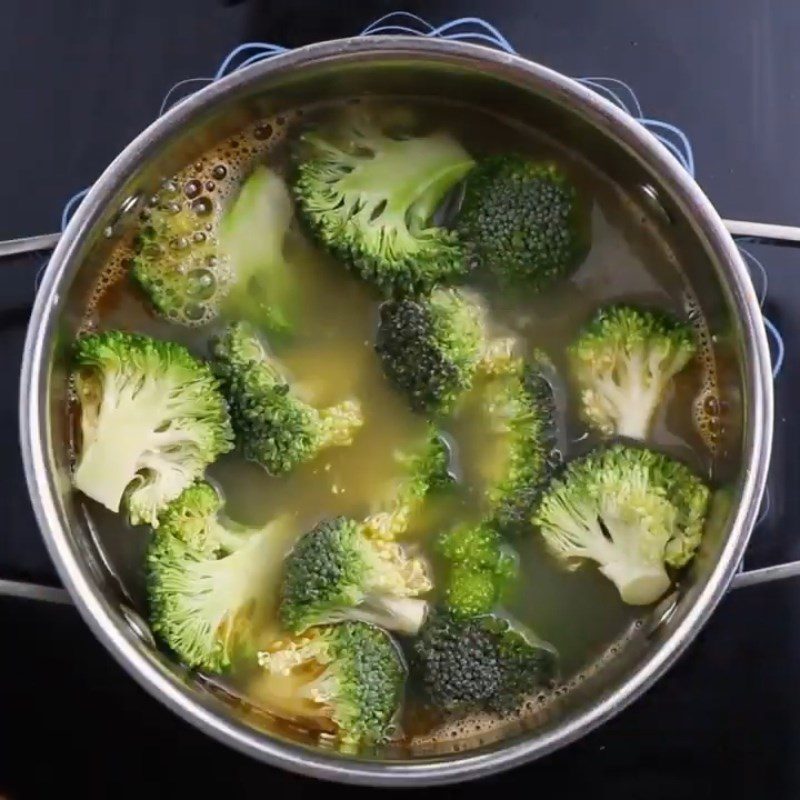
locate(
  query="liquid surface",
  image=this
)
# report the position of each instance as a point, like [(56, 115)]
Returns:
[(579, 612)]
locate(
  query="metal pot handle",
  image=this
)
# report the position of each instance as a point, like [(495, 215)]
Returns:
[(779, 236), (743, 231)]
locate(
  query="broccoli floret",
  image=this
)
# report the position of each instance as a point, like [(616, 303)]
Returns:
[(432, 347), (623, 362), (353, 674), (273, 427), (335, 572), (480, 567), (264, 289), (212, 584), (631, 510), (369, 197), (521, 410), (190, 264), (522, 221), (480, 664), (425, 469), (152, 420)]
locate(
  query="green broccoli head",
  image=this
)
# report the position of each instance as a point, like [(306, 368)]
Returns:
[(369, 197), (480, 663), (522, 220), (623, 362), (480, 566), (352, 672), (335, 572), (631, 510), (191, 262), (152, 420), (192, 518), (211, 585), (432, 347), (425, 469), (273, 427), (521, 410)]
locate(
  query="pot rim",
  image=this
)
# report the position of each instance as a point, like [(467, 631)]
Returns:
[(130, 651)]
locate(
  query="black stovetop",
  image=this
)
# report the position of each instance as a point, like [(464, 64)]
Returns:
[(80, 79)]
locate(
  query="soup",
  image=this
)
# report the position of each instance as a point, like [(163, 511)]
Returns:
[(330, 356)]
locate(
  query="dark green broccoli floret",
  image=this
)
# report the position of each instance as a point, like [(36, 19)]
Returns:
[(481, 663), (352, 673), (631, 510), (522, 220), (191, 262), (623, 362), (369, 197), (273, 427), (521, 410), (479, 568), (425, 469), (432, 347), (152, 419), (336, 572), (211, 583)]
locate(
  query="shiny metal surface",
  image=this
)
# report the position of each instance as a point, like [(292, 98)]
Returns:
[(29, 244), (764, 232), (499, 82), (34, 591), (776, 572)]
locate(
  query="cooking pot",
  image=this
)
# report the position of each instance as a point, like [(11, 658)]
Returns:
[(561, 108)]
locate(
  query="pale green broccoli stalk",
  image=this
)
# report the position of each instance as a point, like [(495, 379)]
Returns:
[(480, 567), (352, 672), (623, 362), (431, 348), (633, 511), (336, 572), (264, 288), (212, 584), (521, 410), (369, 197), (480, 663), (274, 428), (522, 221), (152, 419), (425, 469)]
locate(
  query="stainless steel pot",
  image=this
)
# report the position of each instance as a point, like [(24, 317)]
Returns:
[(514, 87)]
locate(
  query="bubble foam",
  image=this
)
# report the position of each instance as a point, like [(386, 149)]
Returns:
[(200, 191)]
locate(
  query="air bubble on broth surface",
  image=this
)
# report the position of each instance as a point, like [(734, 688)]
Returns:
[(333, 359), (706, 405)]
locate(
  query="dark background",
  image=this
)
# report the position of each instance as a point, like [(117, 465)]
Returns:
[(79, 78)]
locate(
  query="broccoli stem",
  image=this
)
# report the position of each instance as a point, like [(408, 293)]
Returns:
[(635, 422), (106, 466), (638, 584), (401, 614), (419, 172)]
